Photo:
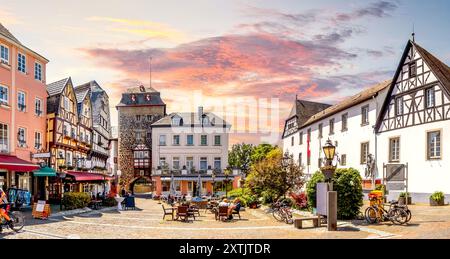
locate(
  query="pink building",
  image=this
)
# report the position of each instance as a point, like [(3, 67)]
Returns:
[(23, 96)]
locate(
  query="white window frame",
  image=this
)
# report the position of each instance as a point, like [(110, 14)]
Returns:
[(200, 163), (399, 106), (173, 140), (187, 140), (176, 159), (365, 115), (432, 153), (37, 140), (220, 140), (162, 137), (36, 100), (5, 146), (189, 162), (22, 64), (3, 59), (220, 162), (24, 136), (6, 101), (22, 93), (201, 138), (36, 64), (428, 102), (394, 149)]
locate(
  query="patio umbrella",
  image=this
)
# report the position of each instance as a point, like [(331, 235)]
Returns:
[(172, 185), (199, 186)]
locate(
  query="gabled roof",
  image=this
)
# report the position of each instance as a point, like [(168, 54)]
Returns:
[(439, 69), (57, 87), (81, 92), (5, 32), (190, 119), (10, 37), (349, 102), (305, 109)]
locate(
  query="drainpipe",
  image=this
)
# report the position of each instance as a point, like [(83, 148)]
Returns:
[(376, 140)]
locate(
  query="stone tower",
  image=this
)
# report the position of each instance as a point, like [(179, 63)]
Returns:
[(138, 109)]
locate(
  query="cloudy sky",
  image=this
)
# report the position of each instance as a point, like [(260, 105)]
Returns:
[(320, 50)]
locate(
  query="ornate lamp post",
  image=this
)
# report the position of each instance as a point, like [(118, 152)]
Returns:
[(227, 172), (213, 176), (60, 161), (328, 170)]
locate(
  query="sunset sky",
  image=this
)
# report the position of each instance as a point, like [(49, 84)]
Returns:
[(320, 50)]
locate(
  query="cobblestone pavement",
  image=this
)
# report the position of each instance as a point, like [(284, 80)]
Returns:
[(146, 222)]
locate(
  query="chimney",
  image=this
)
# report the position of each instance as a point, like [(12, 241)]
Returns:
[(200, 113)]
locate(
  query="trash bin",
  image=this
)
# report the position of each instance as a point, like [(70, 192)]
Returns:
[(129, 202)]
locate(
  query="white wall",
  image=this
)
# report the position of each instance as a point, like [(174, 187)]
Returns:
[(183, 151), (348, 142)]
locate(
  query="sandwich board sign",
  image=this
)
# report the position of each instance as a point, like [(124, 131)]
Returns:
[(40, 206)]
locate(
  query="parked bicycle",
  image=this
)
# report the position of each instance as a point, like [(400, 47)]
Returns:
[(282, 212), (16, 219), (397, 214)]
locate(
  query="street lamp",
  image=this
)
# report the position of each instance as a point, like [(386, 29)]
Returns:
[(226, 182), (285, 160), (60, 161), (329, 151), (213, 176), (328, 170)]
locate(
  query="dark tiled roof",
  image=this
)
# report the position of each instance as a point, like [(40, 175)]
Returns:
[(141, 99), (441, 70), (305, 109), (349, 102), (190, 119), (5, 32), (81, 92), (57, 87)]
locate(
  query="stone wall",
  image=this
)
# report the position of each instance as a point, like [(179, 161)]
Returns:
[(128, 126)]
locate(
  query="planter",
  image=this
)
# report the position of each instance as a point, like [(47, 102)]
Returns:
[(253, 206), (437, 203), (402, 201)]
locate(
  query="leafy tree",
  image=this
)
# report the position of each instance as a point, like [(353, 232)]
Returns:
[(240, 156), (270, 180), (260, 152)]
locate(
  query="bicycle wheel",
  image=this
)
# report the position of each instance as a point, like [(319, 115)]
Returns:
[(18, 221), (371, 215), (278, 215), (288, 217), (401, 216)]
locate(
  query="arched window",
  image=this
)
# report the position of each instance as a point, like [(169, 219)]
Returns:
[(177, 121)]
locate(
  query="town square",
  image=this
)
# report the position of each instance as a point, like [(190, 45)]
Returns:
[(235, 120)]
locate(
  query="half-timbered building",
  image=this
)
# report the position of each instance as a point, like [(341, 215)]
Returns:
[(393, 132)]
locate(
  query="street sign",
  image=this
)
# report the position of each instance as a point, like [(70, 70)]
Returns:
[(41, 155), (395, 172)]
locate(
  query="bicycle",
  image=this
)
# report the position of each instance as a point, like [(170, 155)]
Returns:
[(282, 212), (397, 214), (17, 219)]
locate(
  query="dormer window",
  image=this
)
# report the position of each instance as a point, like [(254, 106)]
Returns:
[(177, 121), (205, 120)]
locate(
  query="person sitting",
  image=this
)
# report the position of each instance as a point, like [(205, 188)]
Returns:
[(236, 206), (224, 203)]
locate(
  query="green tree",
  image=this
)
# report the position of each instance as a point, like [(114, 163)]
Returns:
[(240, 156), (271, 180), (260, 152)]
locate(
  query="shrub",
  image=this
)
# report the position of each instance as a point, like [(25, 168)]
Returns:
[(110, 202), (246, 196), (300, 200), (437, 196), (403, 194), (269, 196), (347, 183), (76, 200), (311, 188)]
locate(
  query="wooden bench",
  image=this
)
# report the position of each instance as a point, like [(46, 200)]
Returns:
[(298, 223)]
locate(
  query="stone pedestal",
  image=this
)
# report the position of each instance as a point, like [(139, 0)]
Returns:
[(332, 211)]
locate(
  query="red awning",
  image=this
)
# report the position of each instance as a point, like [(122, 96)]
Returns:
[(83, 176), (14, 163)]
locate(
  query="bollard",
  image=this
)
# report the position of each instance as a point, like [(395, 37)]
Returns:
[(332, 211)]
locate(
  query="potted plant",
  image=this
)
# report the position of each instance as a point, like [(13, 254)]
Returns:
[(402, 198), (252, 202), (437, 199)]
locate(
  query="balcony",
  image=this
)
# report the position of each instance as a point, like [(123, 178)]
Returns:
[(22, 107), (22, 143)]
